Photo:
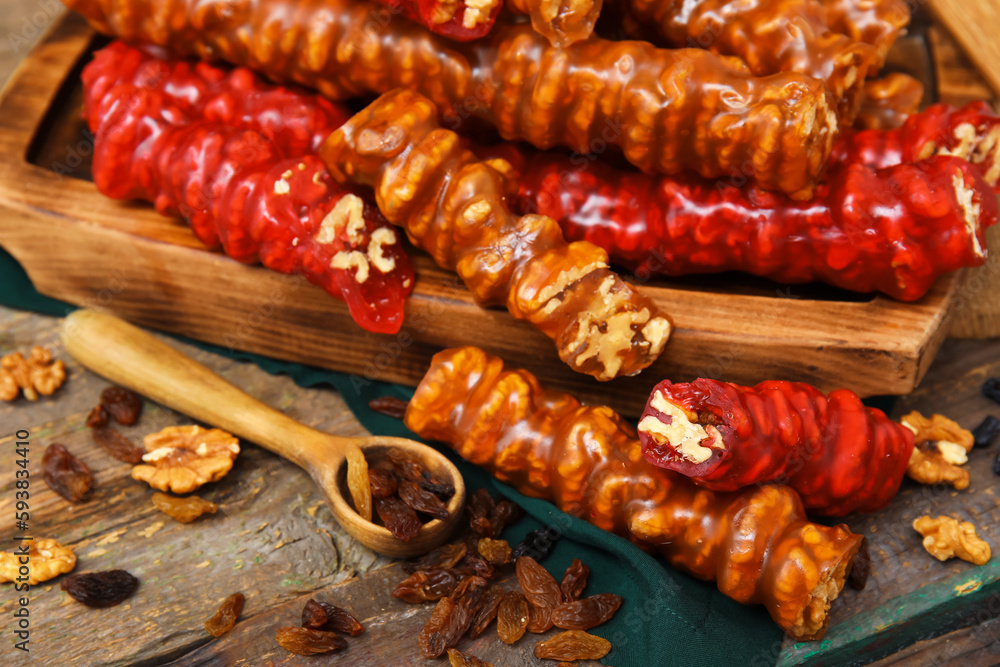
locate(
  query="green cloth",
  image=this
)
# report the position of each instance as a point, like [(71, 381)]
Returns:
[(668, 618)]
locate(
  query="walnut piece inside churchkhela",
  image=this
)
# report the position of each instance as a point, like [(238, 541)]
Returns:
[(181, 459)]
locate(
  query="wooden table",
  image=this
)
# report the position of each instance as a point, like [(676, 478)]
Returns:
[(272, 523)]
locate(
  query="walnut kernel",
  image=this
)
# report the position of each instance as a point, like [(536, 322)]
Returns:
[(941, 447), (34, 376), (46, 559), (946, 538), (181, 459)]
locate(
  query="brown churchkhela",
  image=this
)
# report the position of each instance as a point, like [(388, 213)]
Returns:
[(769, 35), (875, 22), (452, 205), (562, 22), (757, 543), (668, 110)]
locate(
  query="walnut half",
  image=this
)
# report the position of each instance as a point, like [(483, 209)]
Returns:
[(941, 447), (946, 538), (46, 559), (183, 458), (34, 376)]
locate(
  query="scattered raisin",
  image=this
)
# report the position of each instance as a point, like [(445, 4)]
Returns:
[(184, 510), (452, 617), (479, 507), (413, 471), (586, 613), (565, 664), (428, 585), (444, 556), (861, 567), (116, 444), (326, 616), (400, 519), (459, 659), (512, 617), (538, 544), (225, 617), (504, 513), (124, 405), (487, 612), (986, 432), (304, 641), (98, 417), (574, 580), (996, 464), (991, 389), (422, 500), (539, 619), (572, 645), (480, 566), (100, 589), (66, 475), (496, 552), (540, 587), (383, 481), (390, 406)]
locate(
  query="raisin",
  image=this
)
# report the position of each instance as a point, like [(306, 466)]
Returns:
[(413, 471), (459, 659), (124, 405), (66, 475), (225, 617), (565, 664), (539, 619), (487, 612), (496, 552), (400, 519), (444, 556), (184, 510), (572, 645), (326, 616), (304, 641), (390, 406), (116, 444), (479, 507), (383, 481), (586, 613), (861, 567), (504, 513), (422, 500), (100, 589), (428, 585), (538, 544), (480, 566), (98, 417), (991, 389), (512, 617), (452, 617), (986, 432), (574, 580), (996, 464)]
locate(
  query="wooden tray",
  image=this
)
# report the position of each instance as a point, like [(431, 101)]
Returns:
[(82, 247)]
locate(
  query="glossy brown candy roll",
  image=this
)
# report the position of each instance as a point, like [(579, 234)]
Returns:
[(453, 205), (769, 35), (667, 110), (875, 22), (562, 22), (757, 544)]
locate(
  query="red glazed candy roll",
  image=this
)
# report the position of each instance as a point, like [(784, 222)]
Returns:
[(239, 189), (971, 132), (895, 230), (461, 20), (839, 455)]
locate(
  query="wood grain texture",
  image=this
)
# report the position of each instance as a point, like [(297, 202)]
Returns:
[(974, 25), (84, 248)]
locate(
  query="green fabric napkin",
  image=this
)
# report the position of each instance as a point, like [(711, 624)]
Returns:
[(668, 618)]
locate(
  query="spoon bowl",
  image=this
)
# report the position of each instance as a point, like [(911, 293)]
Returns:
[(133, 358)]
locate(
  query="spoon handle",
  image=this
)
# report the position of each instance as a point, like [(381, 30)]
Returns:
[(130, 357)]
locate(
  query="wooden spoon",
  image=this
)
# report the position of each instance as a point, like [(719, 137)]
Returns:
[(132, 358)]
